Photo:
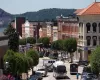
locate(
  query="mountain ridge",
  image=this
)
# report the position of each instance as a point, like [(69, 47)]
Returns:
[(40, 15)]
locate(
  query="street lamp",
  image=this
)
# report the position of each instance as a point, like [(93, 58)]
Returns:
[(25, 48), (6, 65), (26, 35)]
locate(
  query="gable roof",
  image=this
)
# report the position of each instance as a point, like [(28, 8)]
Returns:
[(93, 9)]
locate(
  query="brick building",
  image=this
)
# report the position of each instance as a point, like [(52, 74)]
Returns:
[(67, 27)]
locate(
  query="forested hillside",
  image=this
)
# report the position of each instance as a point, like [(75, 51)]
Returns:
[(48, 14), (41, 15)]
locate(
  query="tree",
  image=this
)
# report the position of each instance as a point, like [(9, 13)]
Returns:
[(9, 30), (31, 40), (70, 46), (13, 36), (57, 45), (13, 42), (45, 41), (95, 61), (35, 57), (22, 41), (16, 60)]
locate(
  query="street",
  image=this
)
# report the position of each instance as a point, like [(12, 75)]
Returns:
[(50, 74)]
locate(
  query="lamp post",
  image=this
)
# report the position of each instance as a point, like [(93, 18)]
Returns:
[(26, 43), (26, 37), (6, 65)]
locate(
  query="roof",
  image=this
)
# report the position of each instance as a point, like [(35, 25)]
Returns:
[(78, 10), (57, 63), (93, 9)]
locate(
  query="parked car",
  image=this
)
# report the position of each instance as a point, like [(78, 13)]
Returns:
[(87, 76), (43, 71), (36, 76), (85, 63), (73, 68)]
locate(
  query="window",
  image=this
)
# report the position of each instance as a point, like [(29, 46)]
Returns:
[(94, 25), (99, 27), (80, 24), (94, 40), (88, 40), (88, 25), (55, 34)]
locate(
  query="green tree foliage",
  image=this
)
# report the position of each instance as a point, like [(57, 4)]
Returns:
[(9, 30), (18, 63), (70, 46), (31, 40), (48, 14), (35, 57), (13, 42), (57, 45), (95, 60), (22, 41), (45, 41)]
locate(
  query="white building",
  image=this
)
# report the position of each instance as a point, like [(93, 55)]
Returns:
[(55, 33), (27, 29), (89, 28)]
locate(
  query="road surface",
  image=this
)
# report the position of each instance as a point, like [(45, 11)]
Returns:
[(50, 74)]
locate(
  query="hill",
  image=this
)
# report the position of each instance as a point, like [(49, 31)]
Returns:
[(48, 14), (5, 18), (41, 15)]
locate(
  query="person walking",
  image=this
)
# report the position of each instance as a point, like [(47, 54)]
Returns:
[(77, 75)]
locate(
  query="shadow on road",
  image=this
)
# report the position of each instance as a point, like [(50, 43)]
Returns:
[(46, 76), (66, 78)]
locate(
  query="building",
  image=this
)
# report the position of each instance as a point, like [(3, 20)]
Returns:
[(55, 33), (49, 29), (89, 28), (67, 27), (27, 29)]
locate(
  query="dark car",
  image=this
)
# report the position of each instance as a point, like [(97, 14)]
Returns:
[(36, 76), (85, 63), (87, 76), (73, 68)]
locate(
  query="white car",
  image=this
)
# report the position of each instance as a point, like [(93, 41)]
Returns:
[(43, 71)]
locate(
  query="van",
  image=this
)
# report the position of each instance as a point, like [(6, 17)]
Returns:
[(48, 63), (73, 68)]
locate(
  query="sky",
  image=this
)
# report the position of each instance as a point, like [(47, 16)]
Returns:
[(22, 6)]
